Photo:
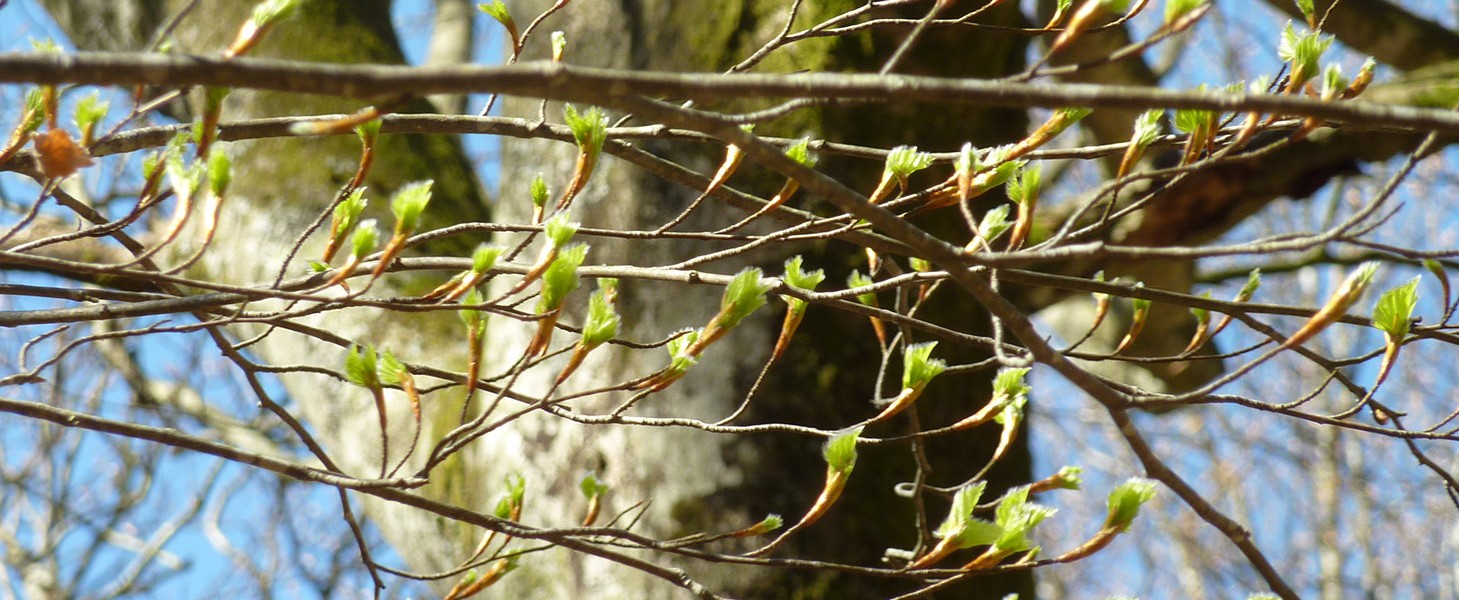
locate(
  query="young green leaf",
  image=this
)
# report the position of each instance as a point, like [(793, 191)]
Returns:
[(589, 129), (1309, 12), (1070, 478), (963, 504), (220, 172), (1016, 516), (1393, 314), (538, 191), (799, 279), (391, 369), (1023, 187), (857, 280), (603, 321), (903, 161), (559, 45), (679, 358), (591, 486), (1125, 501), (360, 367), (744, 295), (840, 451), (561, 277), (801, 152), (408, 204), (90, 110), (1009, 383), (918, 366), (366, 237), (1303, 52), (994, 222), (560, 230), (1175, 9), (1333, 83)]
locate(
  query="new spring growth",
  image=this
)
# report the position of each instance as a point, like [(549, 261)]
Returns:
[(187, 186), (1061, 8), (1309, 12), (265, 15), (1253, 282), (1147, 128), (1176, 10), (559, 45), (394, 373), (508, 507), (801, 153), (407, 205), (593, 489), (1137, 321), (1015, 519), (1203, 326), (1200, 129), (368, 132), (362, 368), (857, 280), (602, 325), (1023, 190), (1302, 52), (901, 163), (213, 98), (959, 529), (346, 216), (1010, 417), (90, 110), (679, 362), (966, 166), (475, 321), (31, 119), (795, 308), (1393, 315), (1101, 302), (1068, 478), (559, 231), (1088, 12), (589, 130), (220, 176), (840, 455), (472, 584), (1361, 80), (483, 259), (973, 177), (1253, 121), (744, 295), (497, 10), (1334, 85), (559, 280), (918, 369), (1436, 268), (1050, 129), (921, 265), (1008, 388), (362, 243), (537, 191), (1124, 505), (992, 225), (733, 156), (771, 522), (1337, 305)]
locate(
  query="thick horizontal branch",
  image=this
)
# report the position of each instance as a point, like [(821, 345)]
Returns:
[(592, 85)]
